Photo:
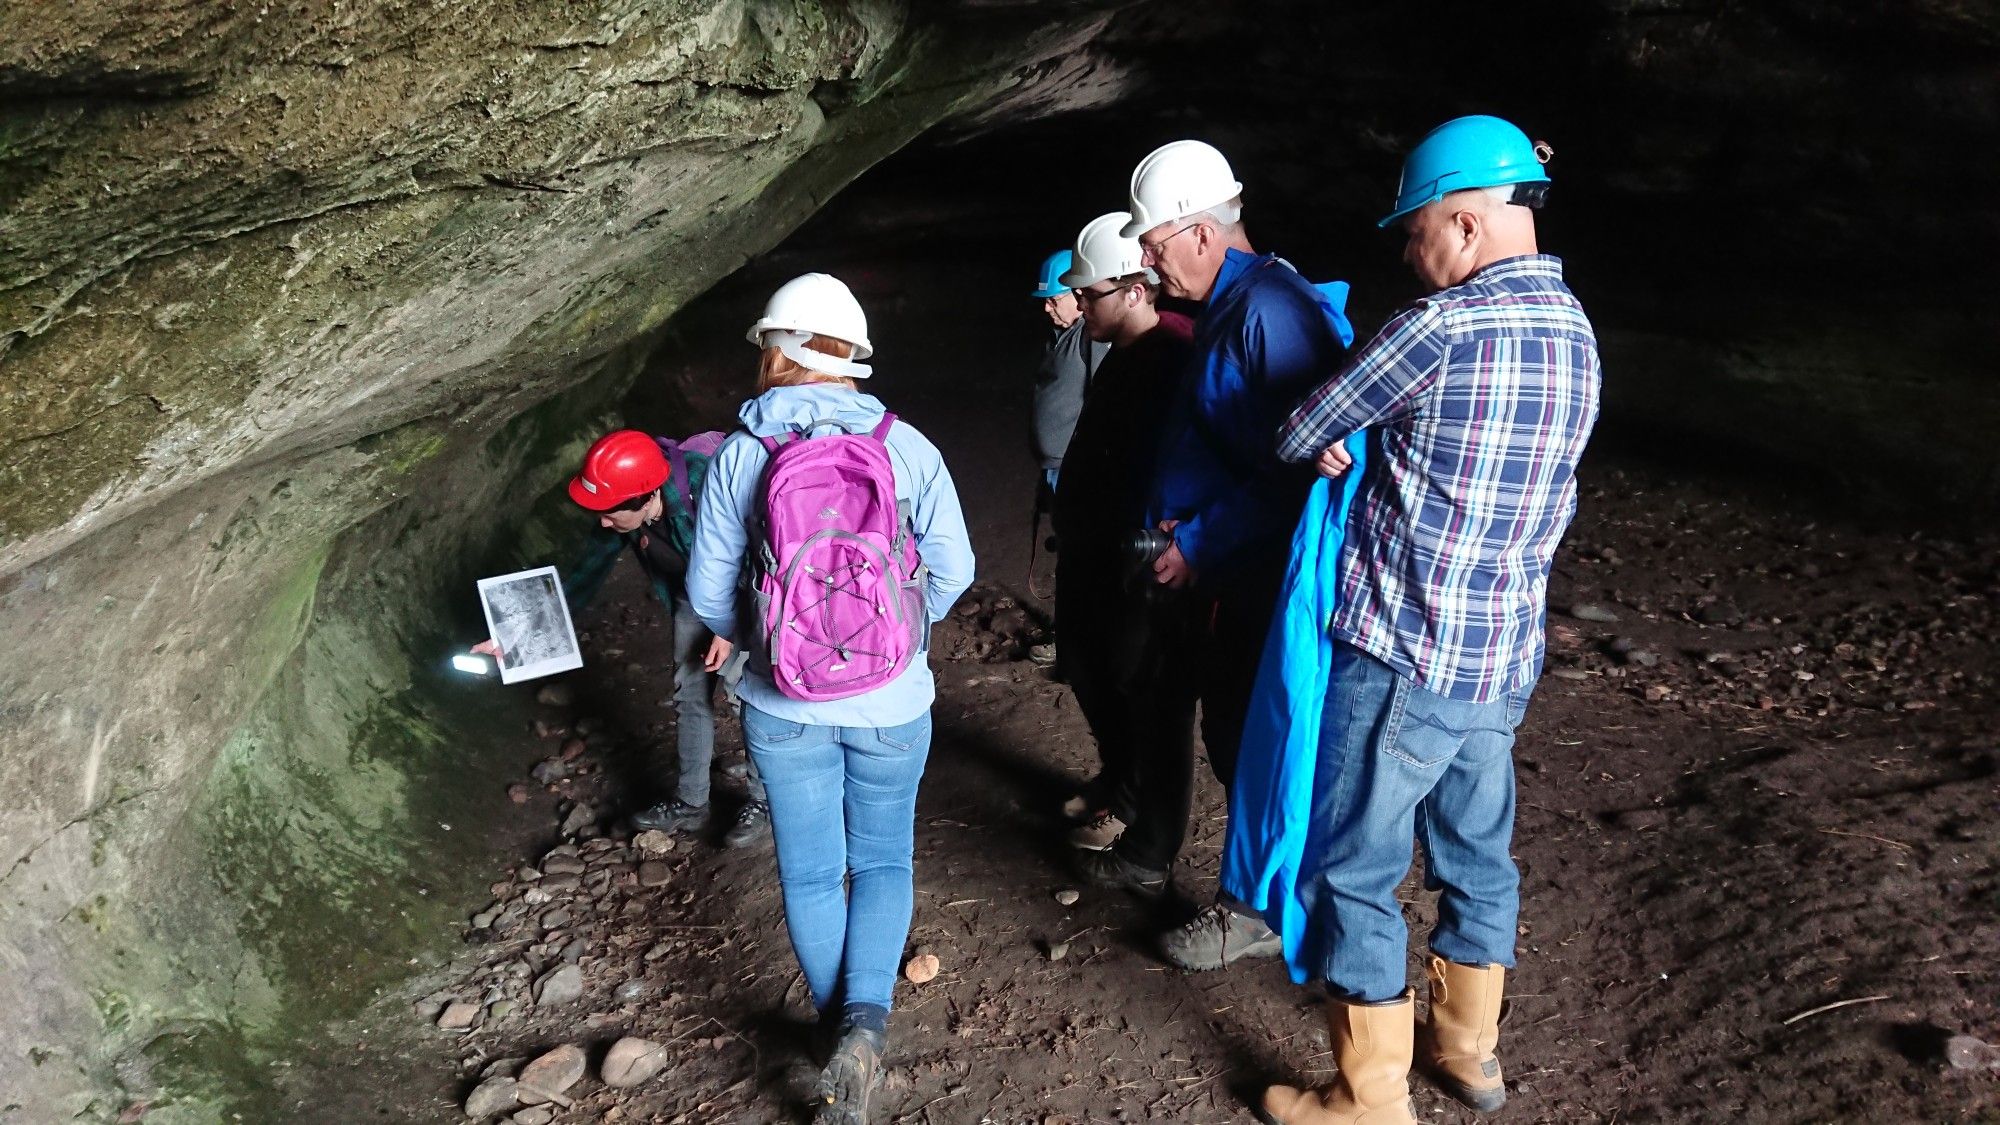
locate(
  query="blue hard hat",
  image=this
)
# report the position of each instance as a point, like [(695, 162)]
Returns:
[(1467, 152), (1048, 281)]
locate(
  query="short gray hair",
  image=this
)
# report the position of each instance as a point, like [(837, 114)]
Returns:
[(1224, 216), (1495, 195)]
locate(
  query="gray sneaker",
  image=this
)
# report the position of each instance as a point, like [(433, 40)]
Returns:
[(1219, 936), (671, 817), (753, 825)]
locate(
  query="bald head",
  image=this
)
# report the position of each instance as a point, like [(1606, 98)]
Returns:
[(1455, 237)]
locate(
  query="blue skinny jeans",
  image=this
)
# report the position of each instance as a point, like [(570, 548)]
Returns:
[(843, 812)]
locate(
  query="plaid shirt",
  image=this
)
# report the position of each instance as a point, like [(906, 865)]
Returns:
[(1480, 399)]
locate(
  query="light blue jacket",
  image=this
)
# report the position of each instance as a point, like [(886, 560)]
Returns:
[(1270, 802), (730, 501)]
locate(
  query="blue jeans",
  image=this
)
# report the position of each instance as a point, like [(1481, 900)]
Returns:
[(1397, 761), (843, 811), (694, 704)]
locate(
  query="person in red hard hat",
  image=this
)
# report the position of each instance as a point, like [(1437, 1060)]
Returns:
[(628, 481)]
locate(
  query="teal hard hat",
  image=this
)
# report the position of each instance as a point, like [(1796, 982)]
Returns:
[(1467, 152), (1048, 281)]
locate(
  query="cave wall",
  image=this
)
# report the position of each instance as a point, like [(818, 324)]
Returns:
[(299, 308)]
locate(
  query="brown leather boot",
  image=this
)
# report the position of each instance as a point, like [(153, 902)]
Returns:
[(1371, 1045), (1456, 1044)]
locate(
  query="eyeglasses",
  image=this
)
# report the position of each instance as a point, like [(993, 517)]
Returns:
[(1089, 298), (1150, 252)]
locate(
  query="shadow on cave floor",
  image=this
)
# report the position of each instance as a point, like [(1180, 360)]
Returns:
[(1781, 801)]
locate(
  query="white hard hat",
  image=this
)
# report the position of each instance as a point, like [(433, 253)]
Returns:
[(1177, 180), (816, 304), (1103, 253)]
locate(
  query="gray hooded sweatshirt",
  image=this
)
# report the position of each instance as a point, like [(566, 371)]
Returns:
[(1060, 383)]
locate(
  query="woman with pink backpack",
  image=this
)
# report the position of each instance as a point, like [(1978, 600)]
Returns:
[(829, 538)]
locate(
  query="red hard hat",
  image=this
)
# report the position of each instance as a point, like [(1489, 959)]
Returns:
[(620, 465)]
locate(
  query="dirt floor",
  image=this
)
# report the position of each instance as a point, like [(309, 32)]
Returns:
[(1766, 788)]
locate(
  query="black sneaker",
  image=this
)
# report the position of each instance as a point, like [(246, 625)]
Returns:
[(753, 826), (1109, 869), (847, 1086), (671, 817)]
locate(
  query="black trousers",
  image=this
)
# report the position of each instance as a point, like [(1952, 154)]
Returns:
[(1123, 653), (1211, 642)]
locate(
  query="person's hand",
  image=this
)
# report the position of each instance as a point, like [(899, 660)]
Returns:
[(1171, 569), (489, 647), (1332, 461), (718, 651)]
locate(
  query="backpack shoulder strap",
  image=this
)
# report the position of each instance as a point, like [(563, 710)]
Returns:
[(881, 431), (677, 471)]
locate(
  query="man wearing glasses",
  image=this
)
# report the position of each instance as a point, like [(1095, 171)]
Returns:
[(1264, 338), (1125, 649)]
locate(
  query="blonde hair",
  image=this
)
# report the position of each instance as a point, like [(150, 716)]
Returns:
[(776, 369)]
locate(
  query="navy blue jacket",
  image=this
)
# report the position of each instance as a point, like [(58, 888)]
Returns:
[(1266, 337)]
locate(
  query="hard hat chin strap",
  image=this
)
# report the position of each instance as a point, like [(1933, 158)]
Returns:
[(793, 346)]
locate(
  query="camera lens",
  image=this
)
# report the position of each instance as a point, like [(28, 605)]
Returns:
[(1146, 545)]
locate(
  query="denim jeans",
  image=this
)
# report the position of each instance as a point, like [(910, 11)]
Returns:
[(843, 811), (694, 705), (1397, 761)]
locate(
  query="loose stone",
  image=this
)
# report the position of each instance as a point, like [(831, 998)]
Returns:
[(561, 862), (653, 873), (654, 842), (552, 1073), (561, 985), (495, 1095), (631, 1062), (579, 818), (1583, 611), (458, 1015)]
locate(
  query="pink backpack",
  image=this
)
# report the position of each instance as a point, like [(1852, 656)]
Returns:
[(836, 581)]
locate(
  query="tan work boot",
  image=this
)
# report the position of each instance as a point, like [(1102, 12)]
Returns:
[(1371, 1046), (1456, 1044)]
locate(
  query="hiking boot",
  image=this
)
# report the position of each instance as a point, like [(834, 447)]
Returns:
[(1456, 1044), (753, 825), (1098, 833), (1107, 868), (672, 817), (1372, 1047), (1220, 936), (847, 1086)]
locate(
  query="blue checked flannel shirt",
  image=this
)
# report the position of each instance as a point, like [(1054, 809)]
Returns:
[(1479, 400)]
